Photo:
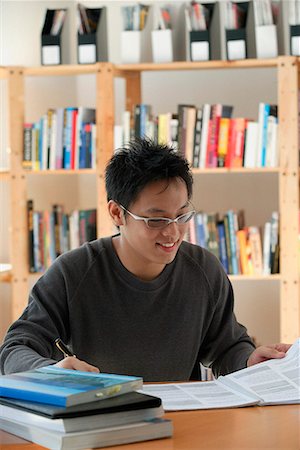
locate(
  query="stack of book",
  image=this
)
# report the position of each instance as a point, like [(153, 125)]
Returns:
[(66, 409)]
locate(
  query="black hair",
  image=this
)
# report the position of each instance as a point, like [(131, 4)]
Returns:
[(139, 163)]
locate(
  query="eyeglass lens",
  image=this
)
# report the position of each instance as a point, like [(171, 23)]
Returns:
[(160, 223)]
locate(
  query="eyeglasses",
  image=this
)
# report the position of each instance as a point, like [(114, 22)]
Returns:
[(162, 222)]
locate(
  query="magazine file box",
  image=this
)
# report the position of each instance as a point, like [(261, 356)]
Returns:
[(162, 46), (261, 39), (203, 45), (131, 47), (236, 44), (295, 40), (266, 41), (199, 45), (92, 47), (53, 47)]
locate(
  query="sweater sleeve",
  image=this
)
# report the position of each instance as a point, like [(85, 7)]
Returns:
[(29, 342), (226, 346)]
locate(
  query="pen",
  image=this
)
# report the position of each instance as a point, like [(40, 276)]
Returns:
[(63, 348)]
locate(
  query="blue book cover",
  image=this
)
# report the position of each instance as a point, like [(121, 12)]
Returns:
[(264, 134), (68, 139), (233, 243), (222, 245), (64, 387), (200, 230)]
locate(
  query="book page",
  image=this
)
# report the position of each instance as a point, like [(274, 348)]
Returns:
[(276, 381), (197, 395)]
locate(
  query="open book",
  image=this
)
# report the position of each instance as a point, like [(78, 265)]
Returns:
[(273, 382)]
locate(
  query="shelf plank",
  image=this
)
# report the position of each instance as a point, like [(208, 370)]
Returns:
[(219, 170), (61, 172), (192, 65), (274, 277), (68, 69)]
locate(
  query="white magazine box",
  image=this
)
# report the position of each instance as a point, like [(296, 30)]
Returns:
[(162, 46)]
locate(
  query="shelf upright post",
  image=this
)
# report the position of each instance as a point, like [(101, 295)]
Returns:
[(104, 141), (288, 197), (18, 229), (133, 90)]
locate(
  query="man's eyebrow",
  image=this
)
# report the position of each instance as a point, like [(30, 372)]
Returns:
[(163, 211)]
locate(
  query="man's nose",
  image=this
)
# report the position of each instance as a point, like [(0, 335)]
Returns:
[(171, 229)]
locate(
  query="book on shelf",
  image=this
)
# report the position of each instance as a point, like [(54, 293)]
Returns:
[(255, 250), (197, 137), (145, 430), (64, 138), (267, 116), (236, 142), (119, 410), (239, 248), (250, 145), (63, 387), (222, 245), (51, 233), (217, 111), (274, 242), (273, 382), (208, 136), (183, 112)]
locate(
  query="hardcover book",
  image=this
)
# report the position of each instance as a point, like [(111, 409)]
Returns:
[(119, 410), (134, 432), (64, 387)]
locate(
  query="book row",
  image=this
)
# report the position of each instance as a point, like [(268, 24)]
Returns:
[(208, 135), (196, 31), (241, 249), (64, 138), (51, 233)]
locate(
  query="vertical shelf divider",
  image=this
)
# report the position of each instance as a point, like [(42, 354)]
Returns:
[(18, 195), (288, 197), (105, 140)]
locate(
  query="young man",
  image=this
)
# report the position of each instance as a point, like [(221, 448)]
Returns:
[(142, 302)]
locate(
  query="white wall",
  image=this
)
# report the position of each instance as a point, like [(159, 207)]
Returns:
[(20, 27)]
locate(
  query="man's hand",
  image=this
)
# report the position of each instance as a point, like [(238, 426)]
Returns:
[(70, 362), (265, 352)]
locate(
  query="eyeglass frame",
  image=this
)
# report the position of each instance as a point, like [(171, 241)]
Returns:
[(167, 220)]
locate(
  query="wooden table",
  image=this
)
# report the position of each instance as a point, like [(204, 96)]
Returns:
[(267, 427)]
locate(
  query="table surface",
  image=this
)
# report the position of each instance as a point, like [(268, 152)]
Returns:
[(266, 427)]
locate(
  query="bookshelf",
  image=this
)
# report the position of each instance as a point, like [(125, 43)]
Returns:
[(106, 73), (288, 173), (20, 279)]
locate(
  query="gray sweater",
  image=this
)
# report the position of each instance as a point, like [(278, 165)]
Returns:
[(158, 329)]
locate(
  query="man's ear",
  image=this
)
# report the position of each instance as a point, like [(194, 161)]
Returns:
[(116, 213)]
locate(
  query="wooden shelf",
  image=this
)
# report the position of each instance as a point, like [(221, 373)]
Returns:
[(222, 170), (61, 172), (188, 65), (275, 277), (67, 70)]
